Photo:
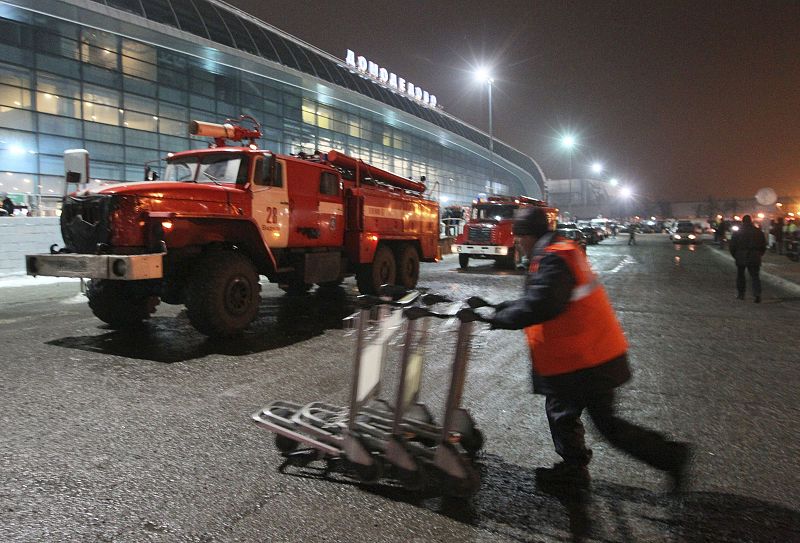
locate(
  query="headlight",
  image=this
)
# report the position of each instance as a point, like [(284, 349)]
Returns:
[(676, 236), (691, 236)]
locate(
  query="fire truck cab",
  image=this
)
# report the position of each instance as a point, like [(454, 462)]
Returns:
[(488, 235)]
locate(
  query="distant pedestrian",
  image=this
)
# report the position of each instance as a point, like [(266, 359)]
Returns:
[(747, 247), (632, 236), (777, 233), (8, 205), (614, 230)]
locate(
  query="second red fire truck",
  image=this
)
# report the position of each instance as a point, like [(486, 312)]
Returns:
[(487, 234)]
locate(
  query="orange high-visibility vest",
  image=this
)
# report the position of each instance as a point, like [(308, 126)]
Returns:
[(586, 333)]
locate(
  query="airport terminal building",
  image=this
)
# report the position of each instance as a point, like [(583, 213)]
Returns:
[(123, 79)]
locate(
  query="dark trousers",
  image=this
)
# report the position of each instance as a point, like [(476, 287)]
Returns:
[(741, 283), (564, 417)]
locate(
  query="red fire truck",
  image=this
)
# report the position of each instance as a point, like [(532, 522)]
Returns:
[(488, 235), (220, 217)]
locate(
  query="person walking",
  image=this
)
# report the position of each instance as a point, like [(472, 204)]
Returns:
[(777, 233), (579, 357), (747, 247), (632, 236), (8, 205)]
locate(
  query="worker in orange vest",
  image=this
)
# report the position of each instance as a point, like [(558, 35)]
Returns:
[(579, 356)]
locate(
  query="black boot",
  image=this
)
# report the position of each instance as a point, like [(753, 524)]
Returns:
[(682, 454)]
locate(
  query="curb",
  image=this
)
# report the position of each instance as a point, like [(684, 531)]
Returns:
[(766, 276)]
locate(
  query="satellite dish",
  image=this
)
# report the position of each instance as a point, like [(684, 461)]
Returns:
[(766, 196)]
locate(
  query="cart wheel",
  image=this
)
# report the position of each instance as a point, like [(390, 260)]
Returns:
[(412, 479), (285, 444), (462, 488), (371, 473), (333, 464), (472, 441)]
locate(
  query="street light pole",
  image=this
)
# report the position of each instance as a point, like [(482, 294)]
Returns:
[(570, 163), (483, 75), (568, 142), (491, 133)]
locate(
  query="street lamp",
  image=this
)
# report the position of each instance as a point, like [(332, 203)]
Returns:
[(483, 75), (597, 167), (569, 142)]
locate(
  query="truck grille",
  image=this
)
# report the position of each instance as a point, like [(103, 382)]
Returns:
[(479, 234), (85, 222)]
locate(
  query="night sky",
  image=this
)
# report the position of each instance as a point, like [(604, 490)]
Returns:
[(679, 99)]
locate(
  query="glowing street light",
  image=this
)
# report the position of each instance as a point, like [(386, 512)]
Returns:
[(613, 181), (597, 167), (626, 192)]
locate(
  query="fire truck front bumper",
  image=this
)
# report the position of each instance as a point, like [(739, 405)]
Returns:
[(478, 250), (119, 267)]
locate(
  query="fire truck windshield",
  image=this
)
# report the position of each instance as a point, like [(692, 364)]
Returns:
[(213, 168), (493, 212)]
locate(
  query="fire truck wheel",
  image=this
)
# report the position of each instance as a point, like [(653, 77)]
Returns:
[(407, 266), (463, 261), (223, 294), (121, 304), (509, 261), (382, 271)]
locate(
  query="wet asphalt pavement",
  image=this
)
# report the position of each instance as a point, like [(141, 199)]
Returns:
[(146, 435)]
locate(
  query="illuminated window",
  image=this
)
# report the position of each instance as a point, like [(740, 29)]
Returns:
[(100, 114), (309, 116), (14, 96)]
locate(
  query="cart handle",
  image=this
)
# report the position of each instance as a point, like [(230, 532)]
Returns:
[(433, 299), (465, 314), (366, 301)]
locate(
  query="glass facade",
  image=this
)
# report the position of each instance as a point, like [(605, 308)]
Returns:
[(128, 101)]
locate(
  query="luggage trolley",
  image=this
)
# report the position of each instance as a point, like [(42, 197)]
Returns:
[(371, 432)]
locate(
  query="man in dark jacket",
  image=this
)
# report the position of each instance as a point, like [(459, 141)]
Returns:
[(747, 247), (8, 205), (579, 356)]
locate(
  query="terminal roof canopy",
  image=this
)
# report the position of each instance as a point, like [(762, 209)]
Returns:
[(226, 25)]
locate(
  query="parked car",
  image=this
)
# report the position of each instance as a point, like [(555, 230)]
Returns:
[(685, 232), (570, 231), (592, 236)]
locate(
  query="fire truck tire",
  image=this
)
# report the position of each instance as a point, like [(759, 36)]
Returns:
[(407, 266), (463, 261), (382, 271), (121, 304), (223, 294), (509, 261)]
